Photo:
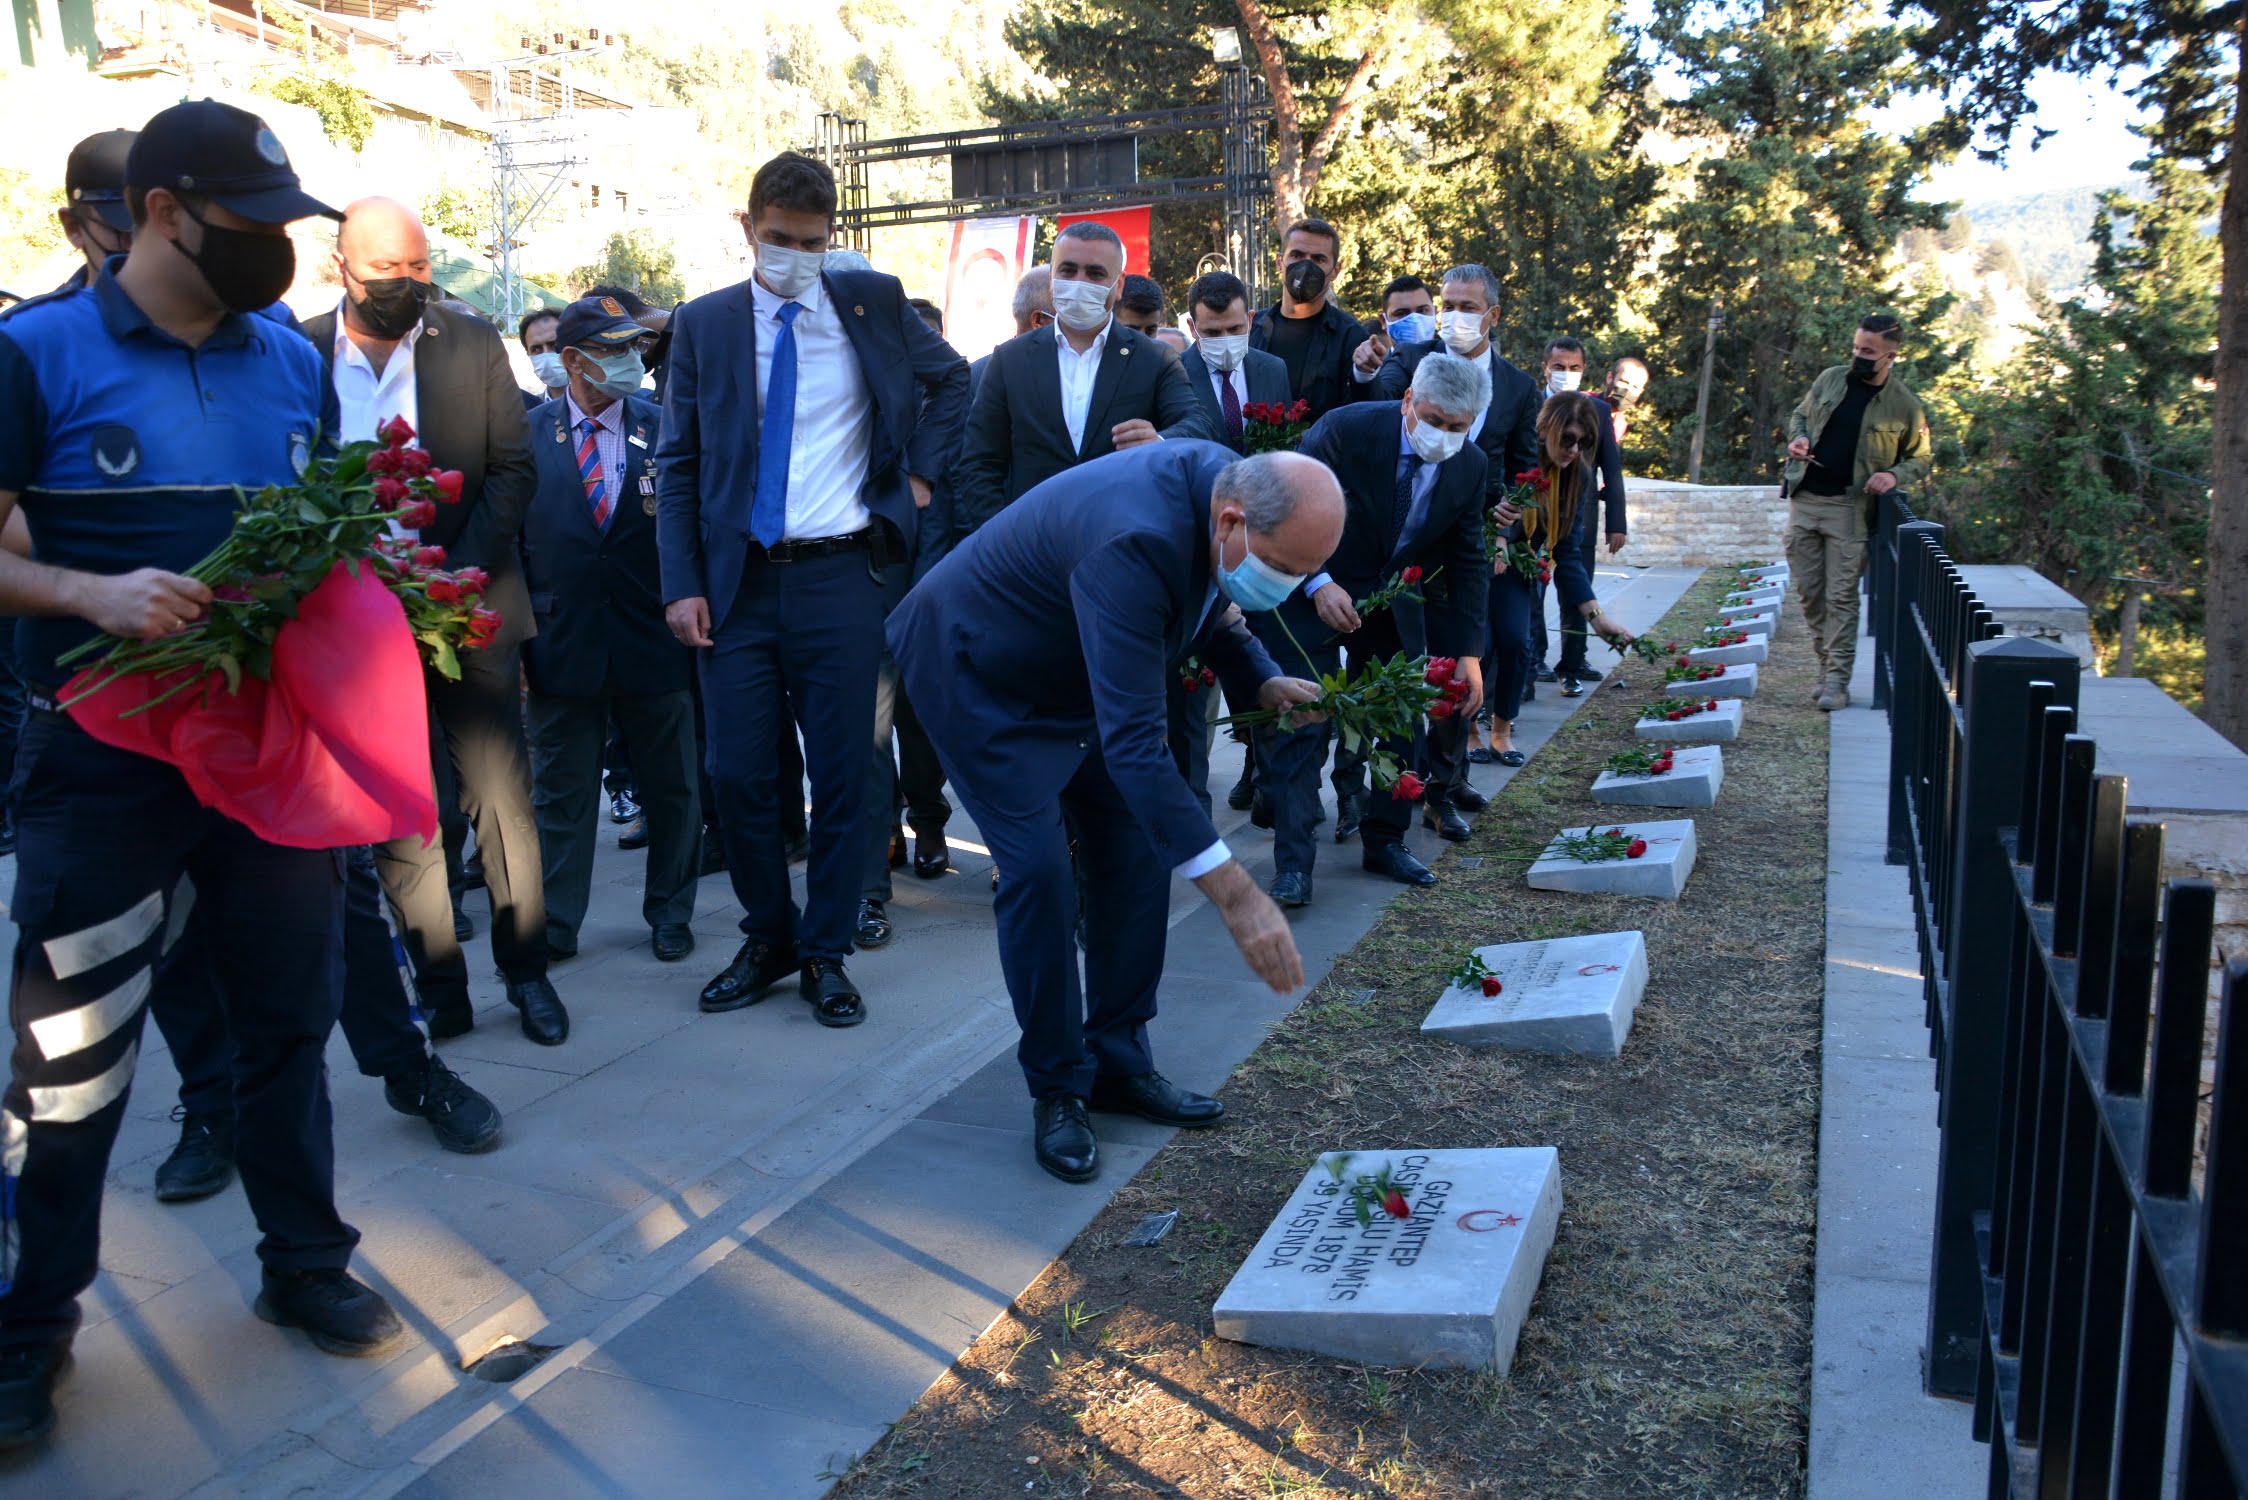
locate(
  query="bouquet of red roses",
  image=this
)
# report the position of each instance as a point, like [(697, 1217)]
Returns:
[(296, 704), (1273, 426), (1527, 492), (1383, 700)]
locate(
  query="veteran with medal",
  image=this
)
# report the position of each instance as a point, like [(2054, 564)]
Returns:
[(589, 556)]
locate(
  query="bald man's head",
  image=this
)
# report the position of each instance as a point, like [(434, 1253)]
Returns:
[(1289, 505), (382, 257)]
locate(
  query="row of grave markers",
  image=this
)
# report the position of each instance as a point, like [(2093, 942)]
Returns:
[(1411, 1258)]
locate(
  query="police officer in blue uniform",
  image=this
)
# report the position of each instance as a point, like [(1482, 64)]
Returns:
[(129, 412)]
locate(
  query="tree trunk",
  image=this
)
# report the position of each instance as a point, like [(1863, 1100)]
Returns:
[(1296, 174), (2225, 683)]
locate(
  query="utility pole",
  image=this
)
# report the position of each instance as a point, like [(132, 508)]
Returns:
[(1701, 402)]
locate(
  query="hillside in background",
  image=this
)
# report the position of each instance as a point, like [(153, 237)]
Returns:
[(2048, 231)]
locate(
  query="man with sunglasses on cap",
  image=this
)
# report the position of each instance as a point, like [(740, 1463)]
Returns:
[(130, 412), (94, 217)]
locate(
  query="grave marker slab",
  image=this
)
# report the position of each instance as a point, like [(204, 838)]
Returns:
[(1747, 654), (1756, 622), (1768, 573), (1763, 598), (1661, 872), (1452, 1285), (1722, 724), (1738, 682), (1695, 775), (1572, 994)]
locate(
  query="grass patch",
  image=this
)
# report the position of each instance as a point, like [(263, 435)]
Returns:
[(1668, 1352)]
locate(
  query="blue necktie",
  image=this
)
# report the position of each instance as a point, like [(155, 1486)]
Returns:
[(768, 516), (1402, 510)]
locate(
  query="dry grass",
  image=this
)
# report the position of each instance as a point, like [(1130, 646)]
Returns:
[(1668, 1352)]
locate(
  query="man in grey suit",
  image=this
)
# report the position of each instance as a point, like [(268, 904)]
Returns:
[(1228, 375), (1087, 386)]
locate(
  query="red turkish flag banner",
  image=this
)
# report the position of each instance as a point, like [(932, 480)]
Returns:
[(1131, 226)]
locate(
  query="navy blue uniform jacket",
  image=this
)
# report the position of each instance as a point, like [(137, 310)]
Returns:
[(707, 459), (1068, 615), (595, 591)]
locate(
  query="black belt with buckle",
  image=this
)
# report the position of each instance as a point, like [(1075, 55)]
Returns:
[(820, 546)]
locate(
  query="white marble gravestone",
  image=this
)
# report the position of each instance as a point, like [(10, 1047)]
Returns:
[(1759, 622), (1763, 598), (1571, 994), (1696, 772), (1721, 724), (1449, 1286), (1661, 872), (1748, 653), (1738, 682)]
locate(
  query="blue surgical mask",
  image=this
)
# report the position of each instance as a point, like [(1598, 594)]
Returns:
[(1255, 584), (621, 372), (1413, 328)]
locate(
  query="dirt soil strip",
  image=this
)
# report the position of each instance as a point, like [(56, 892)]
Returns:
[(1668, 1352)]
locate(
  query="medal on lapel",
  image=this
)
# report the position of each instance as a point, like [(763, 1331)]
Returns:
[(648, 494)]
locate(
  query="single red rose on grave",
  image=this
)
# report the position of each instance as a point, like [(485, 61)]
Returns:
[(1209, 678), (417, 515), (395, 433), (1719, 672), (1638, 847), (1440, 709), (429, 557), (1618, 832), (1684, 662), (1491, 985), (1408, 789), (448, 482), (1394, 1204), (1411, 575), (1674, 716), (391, 493)]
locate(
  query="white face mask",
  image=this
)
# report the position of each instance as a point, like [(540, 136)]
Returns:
[(1224, 352), (1080, 305), (547, 370), (1560, 382), (1433, 443), (1462, 332), (788, 274)]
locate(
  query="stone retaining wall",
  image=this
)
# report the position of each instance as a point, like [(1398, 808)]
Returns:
[(1699, 525)]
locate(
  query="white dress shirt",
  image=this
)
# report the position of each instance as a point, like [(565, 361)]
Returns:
[(834, 432), (1490, 363), (1078, 373), (1217, 854), (367, 399)]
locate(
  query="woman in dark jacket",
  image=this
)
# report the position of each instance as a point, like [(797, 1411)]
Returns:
[(1568, 443)]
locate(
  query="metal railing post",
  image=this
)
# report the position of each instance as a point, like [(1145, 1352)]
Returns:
[(1915, 677)]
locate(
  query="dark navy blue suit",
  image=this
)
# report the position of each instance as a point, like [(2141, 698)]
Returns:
[(1042, 654), (602, 647), (794, 639)]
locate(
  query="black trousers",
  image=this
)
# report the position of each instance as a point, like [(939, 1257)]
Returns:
[(480, 719), (566, 736), (1289, 760), (377, 1015), (1192, 733), (114, 855)]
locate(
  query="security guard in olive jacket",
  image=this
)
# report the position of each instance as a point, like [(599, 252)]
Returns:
[(1857, 434)]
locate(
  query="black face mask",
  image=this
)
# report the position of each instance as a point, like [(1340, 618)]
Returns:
[(390, 305), (1861, 369), (1306, 280), (245, 270)]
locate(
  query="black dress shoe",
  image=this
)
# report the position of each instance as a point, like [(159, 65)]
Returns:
[(1348, 815), (1397, 862), (874, 924), (1260, 811), (337, 1313), (446, 1015), (462, 1119), (1243, 791), (897, 847), (1545, 673), (1512, 758), (1467, 799), (623, 806), (1292, 888), (931, 855), (673, 941), (1151, 1096), (635, 835), (714, 851), (1449, 825), (28, 1376), (544, 1019), (835, 1000), (202, 1163), (1571, 687), (1062, 1137), (756, 968)]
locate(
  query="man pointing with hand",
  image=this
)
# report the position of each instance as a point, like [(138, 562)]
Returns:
[(1041, 655)]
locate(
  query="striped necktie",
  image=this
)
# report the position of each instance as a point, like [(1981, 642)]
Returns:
[(589, 470)]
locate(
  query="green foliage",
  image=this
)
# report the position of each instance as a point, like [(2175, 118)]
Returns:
[(344, 113), (638, 259), (35, 237)]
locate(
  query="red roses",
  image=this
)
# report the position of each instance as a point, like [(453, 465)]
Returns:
[(1409, 788)]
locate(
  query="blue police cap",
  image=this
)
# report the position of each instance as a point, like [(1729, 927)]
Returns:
[(600, 322), (227, 155)]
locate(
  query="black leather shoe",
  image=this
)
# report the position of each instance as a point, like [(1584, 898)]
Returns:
[(835, 1000), (464, 925), (756, 968), (623, 806), (897, 847), (673, 941), (874, 924), (1571, 687), (932, 856), (202, 1163), (1292, 888), (1062, 1137), (1348, 815), (1545, 673), (714, 851), (446, 1015), (1243, 791), (338, 1313), (635, 835), (1151, 1096), (1449, 825), (544, 1019), (1467, 799), (1260, 811), (1511, 758), (462, 1119), (29, 1374), (1397, 862)]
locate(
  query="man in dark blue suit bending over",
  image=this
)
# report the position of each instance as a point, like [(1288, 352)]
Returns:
[(1041, 655), (805, 416)]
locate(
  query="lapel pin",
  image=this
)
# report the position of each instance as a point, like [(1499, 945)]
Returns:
[(859, 311)]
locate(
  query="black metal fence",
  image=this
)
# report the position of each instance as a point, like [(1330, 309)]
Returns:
[(2093, 1304)]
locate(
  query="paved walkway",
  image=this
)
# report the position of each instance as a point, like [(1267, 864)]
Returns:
[(748, 1242), (1873, 1434)]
